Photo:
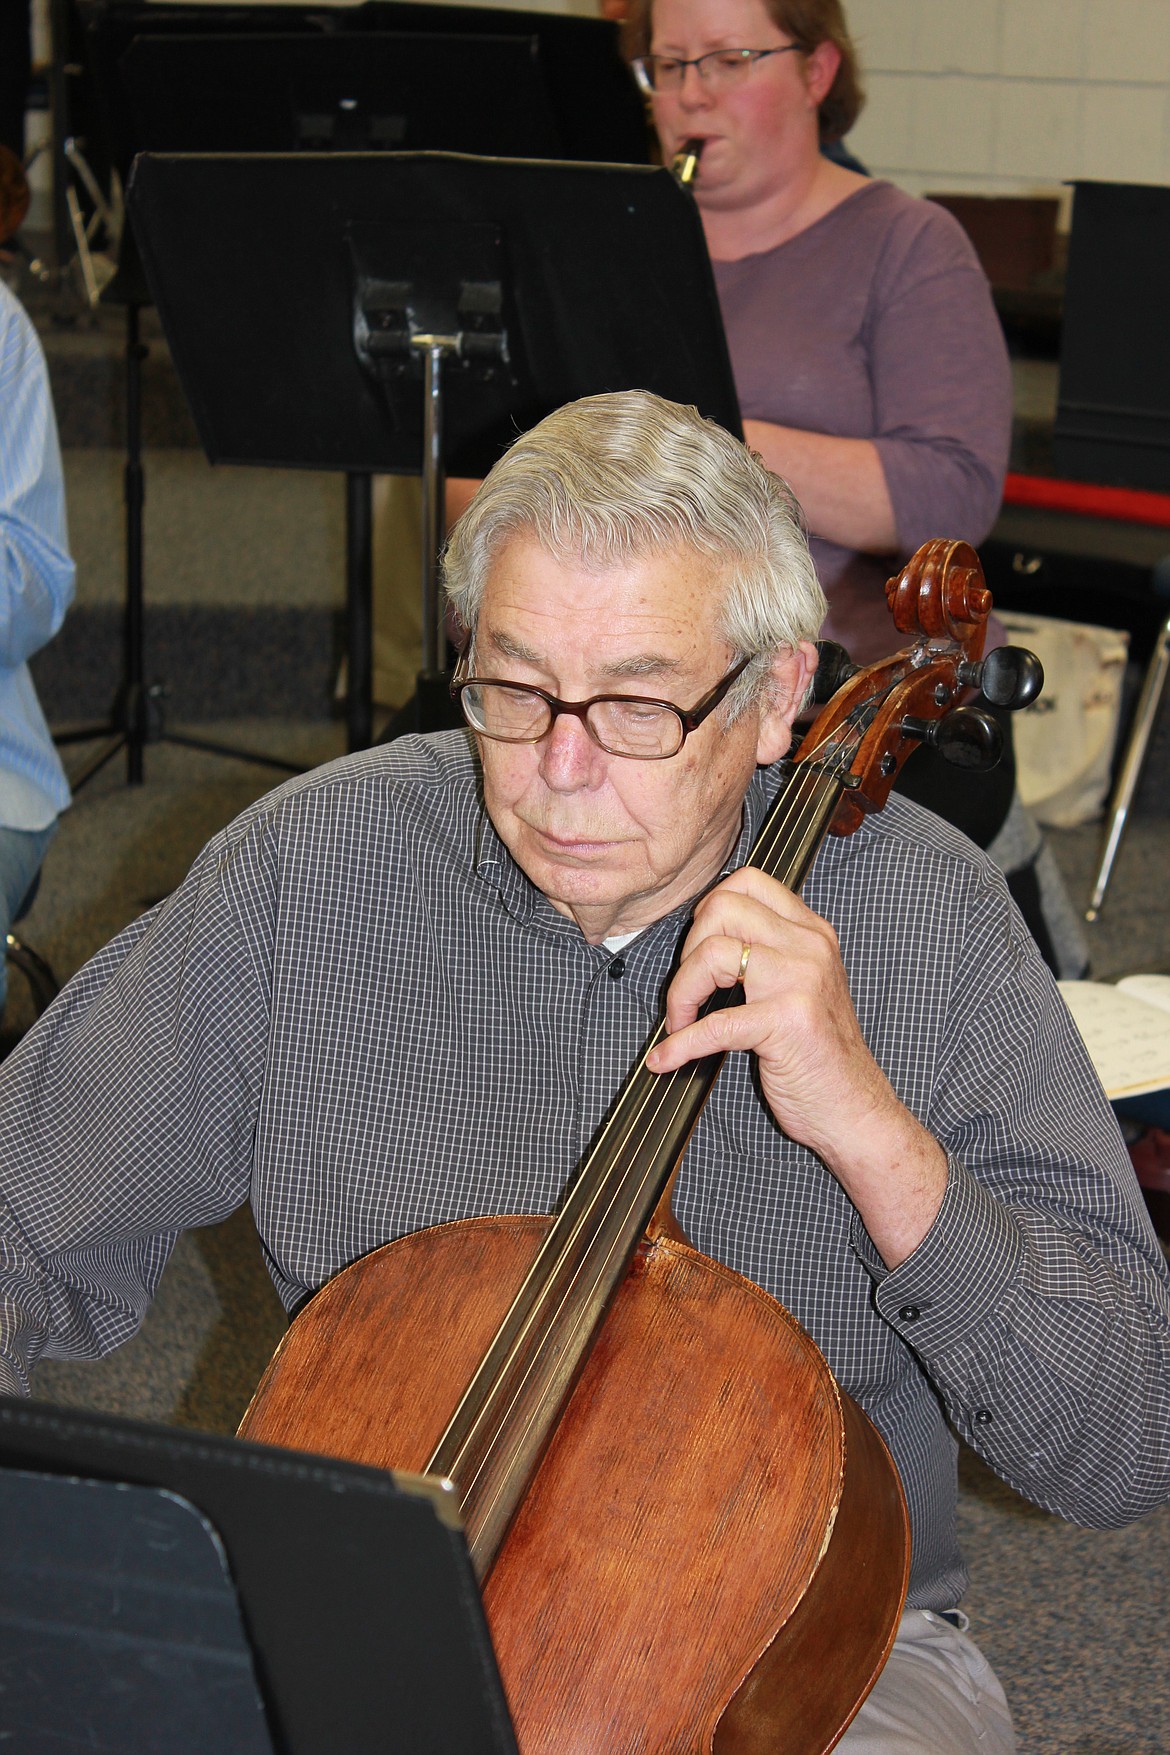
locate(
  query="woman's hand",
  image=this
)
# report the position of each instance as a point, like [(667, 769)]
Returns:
[(818, 1077)]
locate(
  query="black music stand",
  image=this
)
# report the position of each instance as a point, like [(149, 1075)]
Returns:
[(534, 282), (599, 115), (418, 75), (170, 1593)]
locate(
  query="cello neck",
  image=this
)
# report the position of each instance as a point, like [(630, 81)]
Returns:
[(850, 759), (503, 1424)]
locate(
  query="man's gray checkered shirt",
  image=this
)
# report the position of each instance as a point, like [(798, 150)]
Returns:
[(357, 1013)]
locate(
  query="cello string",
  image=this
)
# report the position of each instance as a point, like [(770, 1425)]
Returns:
[(666, 1100), (799, 798), (648, 1110), (632, 1109), (657, 1101), (572, 1333)]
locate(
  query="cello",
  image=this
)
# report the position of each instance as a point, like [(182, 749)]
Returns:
[(688, 1538)]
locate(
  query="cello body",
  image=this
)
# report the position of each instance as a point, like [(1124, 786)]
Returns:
[(713, 1553)]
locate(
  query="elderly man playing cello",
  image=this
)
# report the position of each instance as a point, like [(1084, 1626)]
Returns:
[(405, 989)]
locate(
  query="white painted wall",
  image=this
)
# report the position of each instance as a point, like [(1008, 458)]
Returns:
[(1013, 96)]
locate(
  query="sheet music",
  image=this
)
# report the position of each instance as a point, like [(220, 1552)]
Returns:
[(1154, 989), (1126, 1031)]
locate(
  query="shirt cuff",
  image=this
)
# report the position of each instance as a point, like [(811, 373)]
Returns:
[(959, 1274)]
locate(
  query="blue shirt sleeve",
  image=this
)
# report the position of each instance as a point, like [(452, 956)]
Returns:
[(36, 571)]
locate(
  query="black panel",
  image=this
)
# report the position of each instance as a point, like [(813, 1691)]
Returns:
[(598, 112), (120, 1627), (360, 1605), (403, 91), (1112, 593), (1113, 412)]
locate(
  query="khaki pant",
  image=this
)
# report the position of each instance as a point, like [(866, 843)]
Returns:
[(937, 1695)]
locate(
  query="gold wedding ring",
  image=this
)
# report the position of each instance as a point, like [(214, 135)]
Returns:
[(743, 963)]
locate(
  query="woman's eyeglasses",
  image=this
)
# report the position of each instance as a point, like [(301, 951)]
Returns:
[(718, 69)]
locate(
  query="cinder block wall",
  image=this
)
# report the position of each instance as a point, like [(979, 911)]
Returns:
[(1013, 96)]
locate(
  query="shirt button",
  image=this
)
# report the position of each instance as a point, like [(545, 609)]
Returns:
[(983, 1416), (617, 968), (910, 1313)]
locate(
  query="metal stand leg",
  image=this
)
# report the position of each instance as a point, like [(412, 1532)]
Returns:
[(1153, 688), (128, 725), (134, 499), (137, 717)]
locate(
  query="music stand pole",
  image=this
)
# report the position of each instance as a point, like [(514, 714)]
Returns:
[(359, 586), (432, 686), (431, 707), (433, 482), (134, 496)]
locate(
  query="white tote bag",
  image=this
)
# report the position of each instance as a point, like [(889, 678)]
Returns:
[(1065, 740)]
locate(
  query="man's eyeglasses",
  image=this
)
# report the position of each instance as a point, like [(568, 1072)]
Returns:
[(718, 70), (622, 725)]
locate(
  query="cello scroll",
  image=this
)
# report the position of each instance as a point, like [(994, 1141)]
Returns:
[(878, 716)]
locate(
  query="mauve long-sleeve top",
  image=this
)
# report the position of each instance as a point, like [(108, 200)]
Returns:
[(877, 323)]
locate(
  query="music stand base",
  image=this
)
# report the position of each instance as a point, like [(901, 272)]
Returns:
[(120, 739)]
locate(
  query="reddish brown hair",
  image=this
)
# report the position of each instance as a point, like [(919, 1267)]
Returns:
[(807, 22)]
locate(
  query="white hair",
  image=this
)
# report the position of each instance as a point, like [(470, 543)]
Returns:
[(628, 474)]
